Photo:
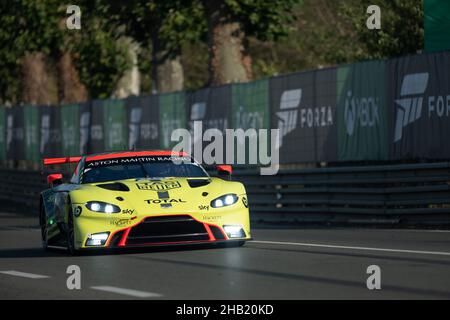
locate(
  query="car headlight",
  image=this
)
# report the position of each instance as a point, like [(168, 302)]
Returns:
[(104, 207), (97, 239), (225, 200), (234, 231)]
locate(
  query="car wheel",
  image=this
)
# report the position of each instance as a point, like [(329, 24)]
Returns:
[(44, 231), (240, 243), (71, 235)]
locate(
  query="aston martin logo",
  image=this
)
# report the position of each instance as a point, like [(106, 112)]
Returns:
[(158, 185)]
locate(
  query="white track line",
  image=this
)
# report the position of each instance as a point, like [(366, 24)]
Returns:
[(438, 253), (24, 274), (128, 292)]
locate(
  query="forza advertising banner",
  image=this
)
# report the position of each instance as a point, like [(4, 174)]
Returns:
[(143, 122), (2, 133), (419, 94), (31, 116), (250, 105), (70, 134), (85, 113), (304, 109), (50, 132), (172, 115), (250, 110), (15, 133), (211, 108), (96, 137), (362, 112), (115, 129)]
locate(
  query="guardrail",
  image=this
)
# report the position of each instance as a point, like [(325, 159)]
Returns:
[(405, 193), (393, 194)]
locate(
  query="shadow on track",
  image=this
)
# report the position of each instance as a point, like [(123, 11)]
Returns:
[(62, 253)]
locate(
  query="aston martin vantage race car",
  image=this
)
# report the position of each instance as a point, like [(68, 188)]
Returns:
[(144, 198)]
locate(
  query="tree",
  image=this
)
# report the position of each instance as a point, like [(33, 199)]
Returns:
[(162, 27), (401, 30), (231, 23), (97, 54), (28, 30)]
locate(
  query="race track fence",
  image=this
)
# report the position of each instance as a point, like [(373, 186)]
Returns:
[(388, 194)]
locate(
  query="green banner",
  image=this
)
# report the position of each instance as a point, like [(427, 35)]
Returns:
[(172, 115), (115, 125), (250, 110), (32, 134), (436, 25), (70, 125), (362, 112), (2, 134), (250, 105)]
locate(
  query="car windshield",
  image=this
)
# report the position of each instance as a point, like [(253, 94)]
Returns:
[(140, 167)]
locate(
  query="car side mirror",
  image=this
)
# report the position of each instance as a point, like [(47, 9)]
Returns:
[(224, 170), (54, 179)]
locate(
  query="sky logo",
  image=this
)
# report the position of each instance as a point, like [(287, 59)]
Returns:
[(410, 106)]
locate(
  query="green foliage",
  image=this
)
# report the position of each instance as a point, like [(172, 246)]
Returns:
[(169, 23), (263, 19), (100, 58), (31, 26), (26, 26), (101, 63), (401, 27)]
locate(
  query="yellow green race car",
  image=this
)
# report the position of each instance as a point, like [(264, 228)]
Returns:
[(145, 198)]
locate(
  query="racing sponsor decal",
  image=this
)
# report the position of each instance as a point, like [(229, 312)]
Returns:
[(121, 222), (77, 211), (164, 201), (244, 201), (132, 160), (128, 211), (203, 207), (211, 218), (158, 185)]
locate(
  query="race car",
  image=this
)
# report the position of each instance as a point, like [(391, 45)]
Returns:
[(141, 198)]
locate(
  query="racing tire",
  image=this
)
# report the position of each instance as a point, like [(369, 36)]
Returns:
[(71, 235), (44, 231), (240, 244)]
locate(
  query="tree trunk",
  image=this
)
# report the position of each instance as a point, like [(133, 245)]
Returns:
[(38, 85), (170, 76), (167, 70), (130, 83), (71, 90), (229, 58)]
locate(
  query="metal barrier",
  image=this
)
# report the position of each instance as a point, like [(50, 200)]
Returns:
[(406, 193)]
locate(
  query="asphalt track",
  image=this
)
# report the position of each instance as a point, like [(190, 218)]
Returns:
[(282, 263)]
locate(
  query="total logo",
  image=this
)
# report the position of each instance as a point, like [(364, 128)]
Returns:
[(362, 112), (411, 103)]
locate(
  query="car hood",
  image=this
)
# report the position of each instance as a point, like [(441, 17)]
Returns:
[(167, 195)]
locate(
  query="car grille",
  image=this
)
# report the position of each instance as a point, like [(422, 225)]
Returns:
[(167, 229)]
